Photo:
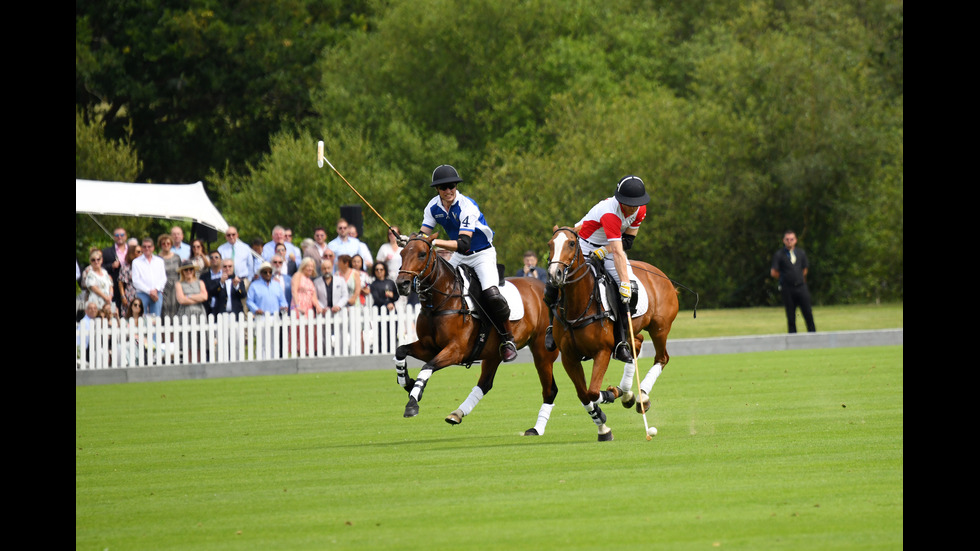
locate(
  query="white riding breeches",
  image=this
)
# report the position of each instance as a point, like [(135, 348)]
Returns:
[(484, 263)]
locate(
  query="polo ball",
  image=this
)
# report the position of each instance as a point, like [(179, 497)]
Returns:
[(652, 431)]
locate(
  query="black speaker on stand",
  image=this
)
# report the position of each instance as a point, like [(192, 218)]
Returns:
[(352, 213), (204, 233)]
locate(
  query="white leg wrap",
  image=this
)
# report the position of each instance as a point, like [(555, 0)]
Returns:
[(647, 383), (471, 401), (420, 383), (543, 415), (626, 383), (401, 371)]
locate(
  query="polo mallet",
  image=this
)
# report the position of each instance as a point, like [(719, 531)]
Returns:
[(319, 162), (636, 371)]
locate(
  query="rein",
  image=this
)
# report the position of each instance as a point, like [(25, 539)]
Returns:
[(571, 275), (425, 282)]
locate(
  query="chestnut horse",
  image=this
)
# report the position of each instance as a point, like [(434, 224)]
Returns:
[(449, 334), (584, 330)]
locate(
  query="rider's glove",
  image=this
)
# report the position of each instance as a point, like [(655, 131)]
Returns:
[(600, 253), (625, 291), (402, 240)]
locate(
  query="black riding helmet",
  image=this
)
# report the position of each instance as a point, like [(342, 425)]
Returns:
[(444, 174), (631, 192)]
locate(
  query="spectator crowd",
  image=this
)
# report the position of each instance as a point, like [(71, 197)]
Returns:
[(167, 276)]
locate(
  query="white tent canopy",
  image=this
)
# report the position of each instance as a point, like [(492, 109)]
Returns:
[(157, 200)]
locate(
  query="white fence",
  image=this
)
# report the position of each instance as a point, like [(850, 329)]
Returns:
[(245, 337)]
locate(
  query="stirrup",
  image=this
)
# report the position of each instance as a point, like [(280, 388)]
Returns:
[(549, 340), (508, 351), (623, 352)]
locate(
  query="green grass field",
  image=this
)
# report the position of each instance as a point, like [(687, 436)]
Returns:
[(737, 322), (779, 450)]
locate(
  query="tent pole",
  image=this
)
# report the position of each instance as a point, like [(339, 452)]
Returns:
[(107, 232)]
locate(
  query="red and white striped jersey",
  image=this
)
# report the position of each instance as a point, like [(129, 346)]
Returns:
[(605, 222)]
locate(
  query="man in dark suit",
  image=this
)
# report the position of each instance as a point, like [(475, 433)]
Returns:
[(231, 290), (112, 258), (211, 276)]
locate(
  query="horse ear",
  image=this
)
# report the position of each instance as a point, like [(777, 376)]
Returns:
[(434, 236), (555, 229)]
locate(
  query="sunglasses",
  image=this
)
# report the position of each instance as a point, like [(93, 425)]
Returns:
[(94, 258), (120, 235), (230, 234), (445, 187)]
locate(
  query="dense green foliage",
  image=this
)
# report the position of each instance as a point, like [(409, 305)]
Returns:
[(743, 119)]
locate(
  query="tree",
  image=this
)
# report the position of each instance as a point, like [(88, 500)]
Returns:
[(202, 85)]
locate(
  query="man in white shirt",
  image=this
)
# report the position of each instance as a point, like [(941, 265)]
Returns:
[(149, 278), (240, 253), (320, 239)]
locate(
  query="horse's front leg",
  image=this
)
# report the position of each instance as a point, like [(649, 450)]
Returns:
[(594, 395), (448, 356), (588, 395), (415, 350), (487, 372)]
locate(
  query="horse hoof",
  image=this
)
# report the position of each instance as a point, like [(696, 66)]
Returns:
[(531, 432), (412, 408), (643, 405), (455, 417), (629, 399), (606, 437)]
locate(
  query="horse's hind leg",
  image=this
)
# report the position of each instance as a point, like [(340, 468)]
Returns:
[(544, 412), (483, 386), (544, 362), (660, 362)]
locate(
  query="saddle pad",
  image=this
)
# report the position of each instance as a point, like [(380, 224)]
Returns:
[(642, 301), (508, 290)]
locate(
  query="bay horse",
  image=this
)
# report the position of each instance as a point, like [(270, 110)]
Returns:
[(451, 330), (584, 330)]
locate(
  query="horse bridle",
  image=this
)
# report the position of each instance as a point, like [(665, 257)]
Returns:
[(428, 275), (572, 277), (582, 266)]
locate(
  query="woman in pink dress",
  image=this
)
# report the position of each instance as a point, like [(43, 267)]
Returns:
[(304, 294)]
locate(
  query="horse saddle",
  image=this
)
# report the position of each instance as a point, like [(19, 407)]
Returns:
[(507, 289), (609, 294)]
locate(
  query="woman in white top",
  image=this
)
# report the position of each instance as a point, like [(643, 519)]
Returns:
[(98, 282), (391, 253), (352, 277)]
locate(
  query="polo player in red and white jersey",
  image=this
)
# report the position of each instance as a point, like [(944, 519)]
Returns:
[(607, 231)]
